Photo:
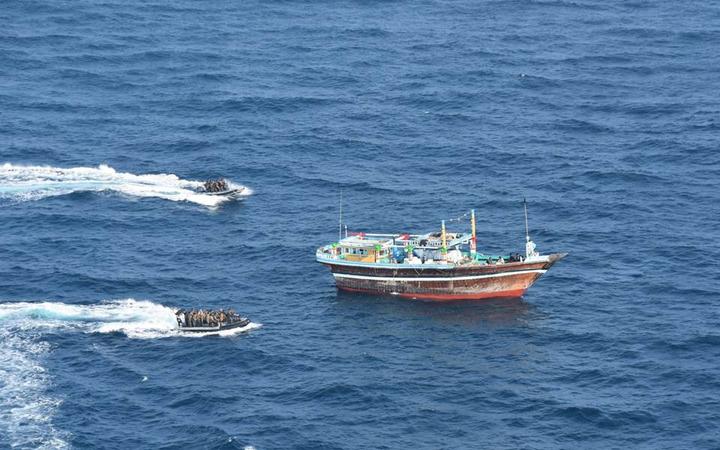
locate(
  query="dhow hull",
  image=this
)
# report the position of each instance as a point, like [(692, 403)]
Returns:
[(442, 284)]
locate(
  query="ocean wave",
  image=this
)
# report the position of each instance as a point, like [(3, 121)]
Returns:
[(27, 183), (604, 418)]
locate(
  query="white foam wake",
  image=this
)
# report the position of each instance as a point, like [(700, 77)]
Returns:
[(36, 182), (26, 410), (134, 318)]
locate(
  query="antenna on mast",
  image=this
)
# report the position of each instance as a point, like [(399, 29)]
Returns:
[(340, 227), (527, 233), (529, 245), (473, 239)]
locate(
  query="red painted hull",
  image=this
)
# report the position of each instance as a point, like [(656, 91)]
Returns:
[(446, 297), (458, 283)]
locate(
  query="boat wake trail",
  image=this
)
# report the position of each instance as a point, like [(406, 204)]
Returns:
[(26, 408), (134, 318), (26, 183)]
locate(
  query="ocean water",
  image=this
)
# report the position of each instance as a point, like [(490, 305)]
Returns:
[(604, 115)]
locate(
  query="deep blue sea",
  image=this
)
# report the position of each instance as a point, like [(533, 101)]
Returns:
[(605, 115)]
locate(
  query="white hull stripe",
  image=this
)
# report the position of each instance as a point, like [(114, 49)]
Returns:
[(472, 277)]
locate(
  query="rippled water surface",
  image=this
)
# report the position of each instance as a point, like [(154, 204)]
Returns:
[(603, 114)]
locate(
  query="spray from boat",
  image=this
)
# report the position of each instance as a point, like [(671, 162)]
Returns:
[(27, 183), (135, 318)]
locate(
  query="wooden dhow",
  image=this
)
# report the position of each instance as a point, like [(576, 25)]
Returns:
[(433, 266)]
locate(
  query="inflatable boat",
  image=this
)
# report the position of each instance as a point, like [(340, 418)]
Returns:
[(211, 321), (221, 187), (226, 193)]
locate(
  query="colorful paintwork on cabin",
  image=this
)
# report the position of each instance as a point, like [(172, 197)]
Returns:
[(358, 249)]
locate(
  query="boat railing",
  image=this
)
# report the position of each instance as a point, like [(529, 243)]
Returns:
[(329, 253)]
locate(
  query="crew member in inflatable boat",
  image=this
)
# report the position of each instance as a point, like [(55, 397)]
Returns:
[(211, 320), (219, 185)]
